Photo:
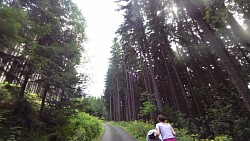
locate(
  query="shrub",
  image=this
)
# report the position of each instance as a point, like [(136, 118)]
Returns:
[(223, 138), (18, 116), (140, 129), (137, 129), (80, 127), (182, 135)]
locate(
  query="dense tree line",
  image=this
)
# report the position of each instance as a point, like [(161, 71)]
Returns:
[(40, 48), (41, 44), (191, 56)]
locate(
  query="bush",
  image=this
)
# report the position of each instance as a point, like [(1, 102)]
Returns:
[(139, 130), (223, 138), (80, 127), (182, 135), (18, 117), (19, 120)]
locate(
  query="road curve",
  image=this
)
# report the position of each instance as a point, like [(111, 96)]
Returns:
[(113, 133)]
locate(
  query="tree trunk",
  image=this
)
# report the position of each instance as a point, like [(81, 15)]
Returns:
[(25, 82), (219, 47), (132, 98), (144, 44), (45, 91), (118, 99), (110, 106), (126, 93), (150, 67), (114, 107)]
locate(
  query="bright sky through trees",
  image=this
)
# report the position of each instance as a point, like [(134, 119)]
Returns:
[(102, 22)]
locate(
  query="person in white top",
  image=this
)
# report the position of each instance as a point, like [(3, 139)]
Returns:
[(164, 129)]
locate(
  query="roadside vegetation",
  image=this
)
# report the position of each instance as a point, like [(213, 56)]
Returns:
[(139, 130), (41, 92), (20, 120)]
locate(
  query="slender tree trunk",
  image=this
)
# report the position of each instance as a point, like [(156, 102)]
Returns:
[(150, 67), (171, 85), (132, 97), (144, 42), (118, 99), (45, 91), (182, 90), (219, 47), (194, 95), (127, 92), (146, 82), (114, 106), (25, 82), (110, 106), (145, 76), (128, 95)]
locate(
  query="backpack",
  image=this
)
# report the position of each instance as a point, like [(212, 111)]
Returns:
[(151, 136)]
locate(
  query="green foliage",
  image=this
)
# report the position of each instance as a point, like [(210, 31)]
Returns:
[(213, 16), (223, 138), (11, 21), (17, 114), (94, 106), (176, 117), (242, 127), (140, 129), (183, 135), (224, 121), (45, 38), (19, 120), (221, 116), (34, 100), (147, 108), (80, 127), (137, 129), (8, 91)]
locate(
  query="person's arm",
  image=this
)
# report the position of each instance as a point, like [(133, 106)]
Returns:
[(157, 130), (173, 132)]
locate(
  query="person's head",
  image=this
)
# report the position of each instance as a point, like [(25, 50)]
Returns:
[(161, 118)]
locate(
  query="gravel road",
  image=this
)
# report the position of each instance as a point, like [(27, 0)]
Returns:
[(113, 133)]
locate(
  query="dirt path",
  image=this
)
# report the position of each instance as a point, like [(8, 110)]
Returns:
[(113, 133)]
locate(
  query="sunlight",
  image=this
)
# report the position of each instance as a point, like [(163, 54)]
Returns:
[(237, 15), (175, 10)]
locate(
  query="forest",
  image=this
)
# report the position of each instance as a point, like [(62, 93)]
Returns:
[(186, 59), (41, 92)]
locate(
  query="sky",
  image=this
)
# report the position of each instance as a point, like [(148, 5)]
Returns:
[(102, 21)]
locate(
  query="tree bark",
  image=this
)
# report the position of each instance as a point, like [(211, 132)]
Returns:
[(25, 82), (110, 106), (118, 99), (132, 93), (150, 67), (45, 91), (219, 47), (144, 42)]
